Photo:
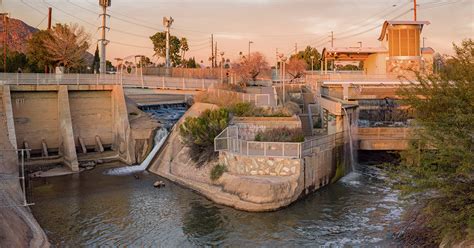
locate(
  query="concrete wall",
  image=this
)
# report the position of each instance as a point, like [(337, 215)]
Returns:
[(36, 118), (263, 166), (60, 114), (91, 113), (376, 63)]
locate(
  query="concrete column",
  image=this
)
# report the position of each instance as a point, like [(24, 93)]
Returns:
[(345, 91), (122, 141), (7, 103), (67, 146)]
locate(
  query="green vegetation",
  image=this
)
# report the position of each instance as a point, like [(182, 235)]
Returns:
[(437, 171), (282, 134), (306, 56), (178, 48), (217, 171), (199, 132)]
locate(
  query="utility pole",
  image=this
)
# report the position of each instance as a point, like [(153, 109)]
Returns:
[(424, 38), (50, 15), (215, 55), (167, 23), (332, 39), (5, 40), (212, 50), (250, 42), (414, 10), (103, 42), (276, 67)]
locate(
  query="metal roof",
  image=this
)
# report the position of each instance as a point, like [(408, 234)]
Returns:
[(393, 22)]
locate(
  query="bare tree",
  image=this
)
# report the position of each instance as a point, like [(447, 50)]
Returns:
[(296, 68), (67, 45), (248, 69)]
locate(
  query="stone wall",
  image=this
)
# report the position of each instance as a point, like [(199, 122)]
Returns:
[(263, 166), (249, 126)]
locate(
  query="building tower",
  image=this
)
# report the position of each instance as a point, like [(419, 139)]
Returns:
[(103, 41)]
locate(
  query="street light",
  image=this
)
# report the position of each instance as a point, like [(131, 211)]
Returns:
[(250, 42), (312, 64)]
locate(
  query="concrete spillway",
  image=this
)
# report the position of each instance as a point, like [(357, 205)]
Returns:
[(159, 140)]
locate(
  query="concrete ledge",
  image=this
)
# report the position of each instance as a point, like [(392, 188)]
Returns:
[(383, 145)]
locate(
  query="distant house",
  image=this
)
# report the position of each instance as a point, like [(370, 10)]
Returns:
[(399, 51)]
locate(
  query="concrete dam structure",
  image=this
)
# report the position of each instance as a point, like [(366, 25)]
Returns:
[(64, 123)]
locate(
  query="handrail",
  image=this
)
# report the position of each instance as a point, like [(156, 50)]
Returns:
[(232, 143), (160, 82)]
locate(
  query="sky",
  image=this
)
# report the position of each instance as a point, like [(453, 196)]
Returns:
[(269, 24)]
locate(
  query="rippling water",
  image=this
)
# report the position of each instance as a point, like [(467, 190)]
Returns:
[(92, 209)]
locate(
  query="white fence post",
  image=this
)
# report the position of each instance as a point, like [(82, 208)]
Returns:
[(37, 79), (77, 79), (163, 81)]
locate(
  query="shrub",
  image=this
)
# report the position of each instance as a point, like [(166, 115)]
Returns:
[(198, 133), (281, 134), (217, 171)]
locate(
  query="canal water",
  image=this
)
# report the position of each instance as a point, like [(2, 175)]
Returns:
[(95, 209)]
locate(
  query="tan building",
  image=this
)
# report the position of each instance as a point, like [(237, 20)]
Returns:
[(399, 51)]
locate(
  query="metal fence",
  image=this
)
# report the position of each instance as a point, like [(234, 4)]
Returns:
[(384, 133), (229, 141), (12, 162), (259, 100), (161, 82)]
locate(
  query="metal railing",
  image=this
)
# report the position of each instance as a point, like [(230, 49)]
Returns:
[(229, 141), (259, 100), (357, 76), (9, 160), (160, 82), (384, 133)]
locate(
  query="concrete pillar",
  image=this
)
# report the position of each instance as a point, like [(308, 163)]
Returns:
[(122, 140), (7, 104), (67, 146), (345, 92)]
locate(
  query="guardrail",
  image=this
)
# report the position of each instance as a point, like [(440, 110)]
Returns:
[(161, 82), (229, 141), (358, 76), (259, 100), (384, 133)]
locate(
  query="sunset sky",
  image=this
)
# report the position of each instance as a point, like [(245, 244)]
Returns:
[(270, 24)]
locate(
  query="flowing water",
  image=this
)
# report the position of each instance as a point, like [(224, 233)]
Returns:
[(95, 209)]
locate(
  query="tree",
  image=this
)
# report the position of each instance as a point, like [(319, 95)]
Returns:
[(306, 56), (67, 45), (296, 68), (438, 169), (36, 51), (96, 62), (248, 69), (159, 46), (17, 61), (184, 48)]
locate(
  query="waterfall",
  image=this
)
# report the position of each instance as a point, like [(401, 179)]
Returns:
[(159, 140), (351, 148)]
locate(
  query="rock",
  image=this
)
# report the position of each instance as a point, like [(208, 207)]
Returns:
[(136, 176), (89, 167), (100, 161), (159, 184)]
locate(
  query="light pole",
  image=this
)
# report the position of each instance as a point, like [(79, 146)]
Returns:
[(312, 64), (222, 67), (250, 42), (283, 60)]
